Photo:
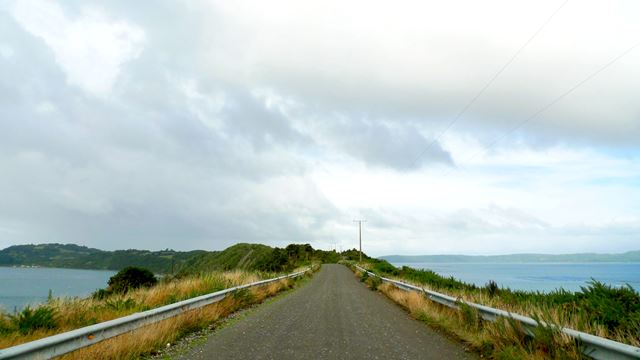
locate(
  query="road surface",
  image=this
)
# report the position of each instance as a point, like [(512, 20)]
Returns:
[(334, 316)]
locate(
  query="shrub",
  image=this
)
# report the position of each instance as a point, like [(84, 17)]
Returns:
[(492, 288), (244, 297), (29, 320), (130, 278), (364, 277), (615, 308), (5, 323), (382, 266), (546, 337), (120, 304), (469, 316), (374, 282), (433, 279), (101, 294)]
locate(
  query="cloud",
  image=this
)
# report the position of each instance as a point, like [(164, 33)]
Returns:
[(380, 143), (154, 163), (201, 124), (421, 60), (90, 49)]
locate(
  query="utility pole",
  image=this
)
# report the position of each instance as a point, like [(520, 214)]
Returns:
[(360, 234)]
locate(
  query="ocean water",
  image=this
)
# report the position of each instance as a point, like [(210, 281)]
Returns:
[(543, 277), (24, 286)]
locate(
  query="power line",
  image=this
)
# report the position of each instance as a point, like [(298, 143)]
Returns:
[(550, 104), (489, 83)]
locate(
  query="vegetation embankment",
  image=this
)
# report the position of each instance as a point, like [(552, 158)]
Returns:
[(134, 289), (597, 309)]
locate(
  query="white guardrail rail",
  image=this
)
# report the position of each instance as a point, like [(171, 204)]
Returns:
[(61, 344), (592, 346)]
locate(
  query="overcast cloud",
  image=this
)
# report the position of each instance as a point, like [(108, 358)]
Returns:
[(205, 123)]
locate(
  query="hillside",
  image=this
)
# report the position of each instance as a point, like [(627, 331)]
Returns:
[(82, 257), (631, 256), (258, 257), (242, 256)]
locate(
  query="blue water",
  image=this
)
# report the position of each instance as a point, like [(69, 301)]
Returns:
[(24, 286), (538, 276)]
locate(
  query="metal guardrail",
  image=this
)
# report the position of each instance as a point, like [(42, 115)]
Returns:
[(593, 346), (61, 344)]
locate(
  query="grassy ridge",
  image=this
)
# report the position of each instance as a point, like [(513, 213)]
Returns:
[(597, 309), (239, 256), (258, 257)]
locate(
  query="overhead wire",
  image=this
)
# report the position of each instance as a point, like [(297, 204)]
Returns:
[(546, 107), (488, 84)]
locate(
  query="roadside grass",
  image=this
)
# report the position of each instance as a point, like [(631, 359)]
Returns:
[(144, 341), (73, 313), (597, 309), (182, 348)]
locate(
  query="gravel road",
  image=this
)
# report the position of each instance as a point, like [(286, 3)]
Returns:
[(334, 316)]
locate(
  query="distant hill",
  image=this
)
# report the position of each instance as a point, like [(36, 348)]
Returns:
[(82, 257), (631, 256), (239, 256)]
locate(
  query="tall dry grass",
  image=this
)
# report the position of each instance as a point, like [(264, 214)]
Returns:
[(563, 315), (145, 340), (502, 339), (73, 313)]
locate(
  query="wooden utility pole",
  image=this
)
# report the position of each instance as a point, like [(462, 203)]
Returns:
[(360, 234)]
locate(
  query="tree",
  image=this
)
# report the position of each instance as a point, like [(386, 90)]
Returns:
[(131, 277)]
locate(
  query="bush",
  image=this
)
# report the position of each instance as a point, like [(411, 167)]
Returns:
[(29, 320), (364, 277), (615, 308), (431, 278), (5, 324), (244, 297), (120, 304), (374, 282), (382, 266), (545, 337), (101, 294), (130, 278), (492, 288), (470, 316)]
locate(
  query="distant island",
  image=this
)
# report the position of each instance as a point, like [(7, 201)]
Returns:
[(627, 257)]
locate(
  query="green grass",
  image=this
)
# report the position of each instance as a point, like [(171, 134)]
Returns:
[(597, 308), (257, 257), (30, 320), (616, 308)]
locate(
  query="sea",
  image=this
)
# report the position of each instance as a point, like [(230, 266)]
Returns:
[(20, 287), (543, 277), (29, 286)]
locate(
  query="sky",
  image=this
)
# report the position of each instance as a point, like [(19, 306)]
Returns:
[(200, 124)]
